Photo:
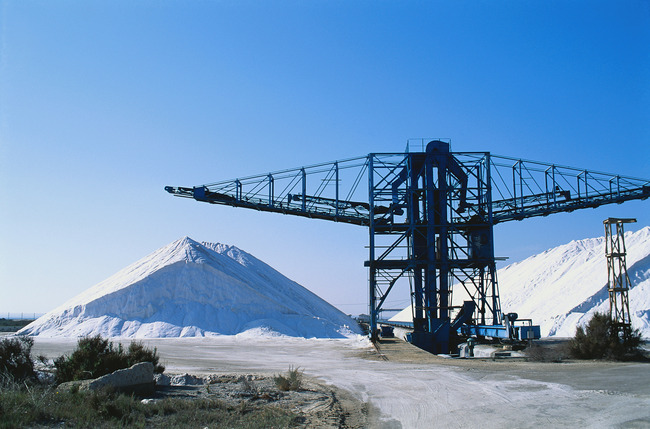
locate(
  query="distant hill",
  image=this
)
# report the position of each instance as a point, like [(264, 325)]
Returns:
[(190, 289)]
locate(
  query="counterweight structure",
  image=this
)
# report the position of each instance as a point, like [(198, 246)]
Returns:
[(430, 216)]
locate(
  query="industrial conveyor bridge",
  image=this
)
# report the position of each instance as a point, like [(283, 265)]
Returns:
[(430, 216)]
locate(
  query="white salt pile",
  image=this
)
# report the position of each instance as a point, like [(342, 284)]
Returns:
[(562, 287), (188, 289)]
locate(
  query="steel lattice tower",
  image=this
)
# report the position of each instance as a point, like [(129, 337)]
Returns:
[(618, 280), (443, 201)]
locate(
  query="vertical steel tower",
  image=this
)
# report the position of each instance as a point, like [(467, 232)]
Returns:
[(618, 280), (439, 234)]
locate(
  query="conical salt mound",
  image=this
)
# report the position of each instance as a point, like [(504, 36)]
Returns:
[(190, 289)]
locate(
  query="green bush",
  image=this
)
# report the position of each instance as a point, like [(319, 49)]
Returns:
[(16, 362), (600, 340), (96, 356), (137, 353)]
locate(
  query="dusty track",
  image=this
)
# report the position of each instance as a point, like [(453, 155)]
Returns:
[(621, 377)]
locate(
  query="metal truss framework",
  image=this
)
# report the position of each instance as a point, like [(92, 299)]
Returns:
[(618, 280), (439, 234), (430, 216)]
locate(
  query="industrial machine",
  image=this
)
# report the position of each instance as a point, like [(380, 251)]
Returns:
[(430, 214)]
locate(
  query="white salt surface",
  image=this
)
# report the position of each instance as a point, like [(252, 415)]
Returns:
[(415, 395), (562, 287), (191, 289)]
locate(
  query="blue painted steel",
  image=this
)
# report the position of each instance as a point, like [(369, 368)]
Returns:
[(519, 333), (430, 217), (537, 189), (407, 325), (443, 207), (515, 333), (529, 332), (492, 331)]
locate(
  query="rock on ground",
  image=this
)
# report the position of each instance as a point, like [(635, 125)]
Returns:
[(137, 379)]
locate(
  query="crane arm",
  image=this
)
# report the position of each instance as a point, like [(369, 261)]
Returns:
[(520, 189), (328, 191)]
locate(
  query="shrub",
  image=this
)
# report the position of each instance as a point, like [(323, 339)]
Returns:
[(96, 356), (600, 340), (137, 353), (292, 381), (93, 357), (15, 358)]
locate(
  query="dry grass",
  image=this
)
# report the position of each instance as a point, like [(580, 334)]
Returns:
[(23, 406), (291, 381)]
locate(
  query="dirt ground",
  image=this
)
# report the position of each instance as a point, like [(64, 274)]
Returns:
[(352, 385), (620, 377), (319, 406)]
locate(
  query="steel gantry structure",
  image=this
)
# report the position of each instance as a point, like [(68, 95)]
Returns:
[(430, 216)]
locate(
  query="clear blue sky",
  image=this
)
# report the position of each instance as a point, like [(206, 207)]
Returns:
[(103, 103)]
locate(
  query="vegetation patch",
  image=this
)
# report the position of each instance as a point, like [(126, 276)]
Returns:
[(24, 402), (47, 407), (96, 356), (13, 325), (245, 401), (16, 362), (600, 339)]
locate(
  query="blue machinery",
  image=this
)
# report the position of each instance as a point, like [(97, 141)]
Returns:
[(430, 216)]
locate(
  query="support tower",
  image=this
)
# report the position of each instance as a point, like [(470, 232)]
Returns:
[(618, 281), (439, 234)]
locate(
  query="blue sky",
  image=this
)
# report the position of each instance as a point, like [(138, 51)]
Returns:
[(102, 104)]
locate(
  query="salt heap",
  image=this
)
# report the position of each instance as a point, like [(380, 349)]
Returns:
[(563, 287), (189, 289)]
